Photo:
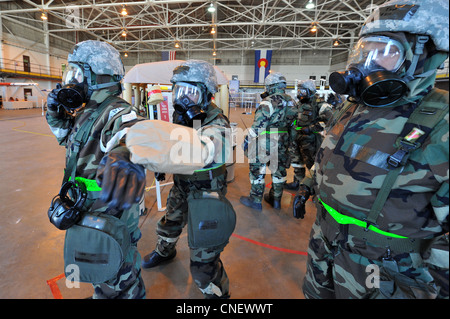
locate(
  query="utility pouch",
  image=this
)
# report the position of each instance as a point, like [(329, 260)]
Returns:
[(211, 221), (97, 246), (395, 285)]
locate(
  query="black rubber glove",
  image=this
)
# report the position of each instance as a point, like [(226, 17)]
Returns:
[(54, 107), (160, 176), (305, 130), (300, 199), (122, 182)]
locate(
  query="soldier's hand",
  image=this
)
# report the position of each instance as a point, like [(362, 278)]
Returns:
[(160, 176), (305, 130), (122, 181), (54, 107), (299, 209)]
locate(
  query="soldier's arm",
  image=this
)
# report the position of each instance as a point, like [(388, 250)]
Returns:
[(262, 115), (122, 181), (436, 153)]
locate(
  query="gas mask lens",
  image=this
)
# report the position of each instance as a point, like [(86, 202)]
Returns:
[(377, 50), (371, 74), (182, 89), (302, 92), (73, 74)]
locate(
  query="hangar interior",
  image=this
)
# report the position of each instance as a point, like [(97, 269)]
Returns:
[(266, 256)]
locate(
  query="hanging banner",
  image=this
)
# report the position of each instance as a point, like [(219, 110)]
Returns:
[(262, 65)]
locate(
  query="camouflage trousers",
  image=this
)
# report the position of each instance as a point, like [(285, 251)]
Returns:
[(257, 176), (128, 283), (344, 267), (302, 152), (205, 266)]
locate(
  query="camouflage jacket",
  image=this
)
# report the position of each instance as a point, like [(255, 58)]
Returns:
[(276, 111), (106, 135), (351, 167), (313, 113)]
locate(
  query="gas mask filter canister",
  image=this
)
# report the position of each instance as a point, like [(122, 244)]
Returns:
[(370, 76), (75, 88)]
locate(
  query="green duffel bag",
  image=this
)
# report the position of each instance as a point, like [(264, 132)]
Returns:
[(96, 248), (211, 220)]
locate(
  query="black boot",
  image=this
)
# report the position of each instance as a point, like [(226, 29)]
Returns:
[(154, 259), (248, 201), (274, 202), (292, 186)]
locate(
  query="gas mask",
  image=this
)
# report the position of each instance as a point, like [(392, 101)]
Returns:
[(75, 89), (371, 76), (304, 95), (188, 100)]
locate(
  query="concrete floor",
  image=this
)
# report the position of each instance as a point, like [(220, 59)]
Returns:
[(265, 258)]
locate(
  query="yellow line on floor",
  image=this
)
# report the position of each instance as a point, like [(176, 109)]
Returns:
[(24, 131)]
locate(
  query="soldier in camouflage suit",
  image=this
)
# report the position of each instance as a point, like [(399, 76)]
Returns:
[(268, 140), (96, 68), (194, 84), (407, 245), (306, 136)]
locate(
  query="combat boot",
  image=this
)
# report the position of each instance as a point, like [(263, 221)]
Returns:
[(274, 202), (154, 259), (249, 202), (292, 186)]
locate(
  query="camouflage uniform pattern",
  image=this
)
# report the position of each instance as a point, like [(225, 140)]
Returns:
[(128, 283), (303, 147), (419, 17), (351, 166), (349, 171), (265, 125), (196, 71), (101, 57), (206, 267)]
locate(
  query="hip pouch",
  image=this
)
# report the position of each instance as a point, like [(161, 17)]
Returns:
[(211, 220), (97, 245), (395, 285)]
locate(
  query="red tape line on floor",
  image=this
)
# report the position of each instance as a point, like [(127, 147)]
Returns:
[(297, 252), (54, 286)]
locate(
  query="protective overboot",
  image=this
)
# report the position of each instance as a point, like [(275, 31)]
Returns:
[(274, 202), (154, 259), (249, 202), (292, 186)]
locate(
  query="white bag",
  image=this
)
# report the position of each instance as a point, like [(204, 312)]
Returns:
[(162, 146)]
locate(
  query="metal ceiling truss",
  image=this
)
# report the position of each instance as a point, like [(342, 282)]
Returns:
[(155, 25)]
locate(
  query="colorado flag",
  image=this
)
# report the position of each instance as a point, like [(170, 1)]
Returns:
[(262, 65)]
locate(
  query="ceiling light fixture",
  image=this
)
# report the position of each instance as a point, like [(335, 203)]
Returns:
[(213, 30), (126, 54), (214, 53), (124, 11), (314, 28), (211, 8), (124, 33), (44, 16), (310, 5), (177, 45), (336, 43)]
